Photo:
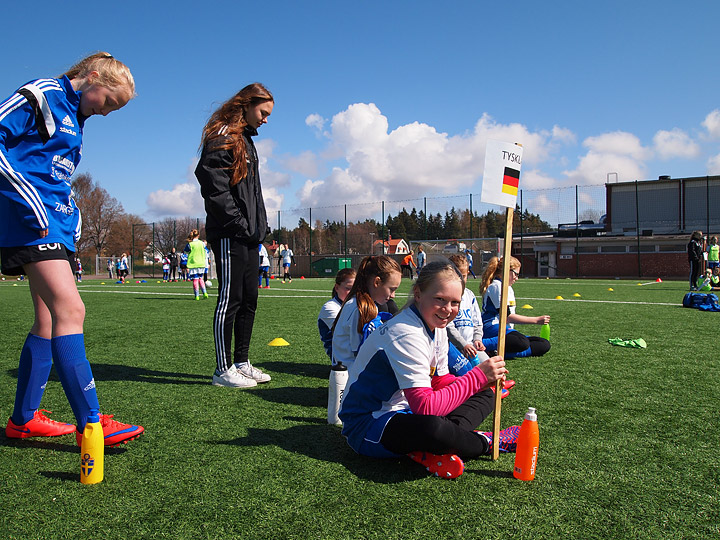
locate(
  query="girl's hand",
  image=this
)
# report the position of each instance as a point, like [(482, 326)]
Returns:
[(543, 319), (494, 369), (479, 346), (43, 233), (469, 351)]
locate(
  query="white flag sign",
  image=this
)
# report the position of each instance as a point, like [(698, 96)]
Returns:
[(502, 173)]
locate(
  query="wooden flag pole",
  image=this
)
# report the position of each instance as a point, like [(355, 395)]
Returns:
[(503, 326)]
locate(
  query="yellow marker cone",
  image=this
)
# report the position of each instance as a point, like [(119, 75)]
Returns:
[(577, 295), (640, 284), (278, 342), (559, 298), (102, 283), (611, 289), (527, 306)]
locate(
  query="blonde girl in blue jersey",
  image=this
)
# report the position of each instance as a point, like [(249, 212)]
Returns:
[(376, 281), (401, 398), (344, 281), (41, 128)]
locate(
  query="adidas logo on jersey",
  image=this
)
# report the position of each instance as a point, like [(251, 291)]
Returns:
[(67, 121)]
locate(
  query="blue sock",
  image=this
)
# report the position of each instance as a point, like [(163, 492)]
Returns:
[(33, 372), (522, 354), (75, 375)]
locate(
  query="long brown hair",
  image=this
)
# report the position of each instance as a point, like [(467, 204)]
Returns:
[(229, 121), (342, 276), (380, 266), (493, 270)]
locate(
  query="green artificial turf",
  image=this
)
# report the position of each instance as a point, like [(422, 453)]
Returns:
[(629, 444)]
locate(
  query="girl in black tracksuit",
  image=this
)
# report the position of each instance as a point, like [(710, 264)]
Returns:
[(236, 224), (695, 257)]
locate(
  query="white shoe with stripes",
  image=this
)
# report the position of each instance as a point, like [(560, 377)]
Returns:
[(233, 378), (251, 372)]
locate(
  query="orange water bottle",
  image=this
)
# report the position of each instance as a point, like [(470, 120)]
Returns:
[(92, 450), (527, 447)]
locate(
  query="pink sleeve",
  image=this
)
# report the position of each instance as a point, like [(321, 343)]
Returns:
[(442, 381), (425, 400)]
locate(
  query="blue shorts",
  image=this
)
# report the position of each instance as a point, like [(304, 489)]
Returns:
[(713, 264), (286, 265), (371, 446)]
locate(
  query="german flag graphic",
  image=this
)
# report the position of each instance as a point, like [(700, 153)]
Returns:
[(511, 179)]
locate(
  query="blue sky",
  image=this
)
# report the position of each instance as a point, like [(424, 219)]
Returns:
[(389, 100)]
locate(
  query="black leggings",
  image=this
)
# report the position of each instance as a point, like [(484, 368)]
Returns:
[(237, 269), (451, 434)]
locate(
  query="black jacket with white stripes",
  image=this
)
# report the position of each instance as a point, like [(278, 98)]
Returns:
[(232, 211)]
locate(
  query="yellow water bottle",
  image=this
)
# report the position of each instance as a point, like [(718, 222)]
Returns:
[(92, 450)]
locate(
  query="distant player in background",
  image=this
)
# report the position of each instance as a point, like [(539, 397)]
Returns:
[(166, 268), (344, 280), (713, 253), (173, 264), (264, 267), (695, 257), (78, 269), (110, 267), (195, 250), (469, 258), (421, 259), (183, 266), (288, 258), (408, 263), (41, 129)]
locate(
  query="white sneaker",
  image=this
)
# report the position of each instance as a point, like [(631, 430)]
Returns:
[(233, 378), (251, 372)]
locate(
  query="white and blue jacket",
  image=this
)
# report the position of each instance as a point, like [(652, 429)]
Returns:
[(40, 147)]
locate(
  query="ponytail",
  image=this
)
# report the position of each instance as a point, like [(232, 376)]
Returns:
[(494, 270)]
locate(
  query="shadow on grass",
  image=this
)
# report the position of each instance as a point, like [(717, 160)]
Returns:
[(117, 372), (319, 371), (316, 439), (295, 395)]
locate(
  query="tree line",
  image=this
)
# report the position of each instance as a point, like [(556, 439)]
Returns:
[(108, 230)]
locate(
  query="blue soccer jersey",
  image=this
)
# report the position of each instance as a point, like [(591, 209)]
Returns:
[(40, 147), (491, 306), (402, 353)]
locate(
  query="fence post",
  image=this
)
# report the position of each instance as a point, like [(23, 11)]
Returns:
[(471, 223), (577, 235), (310, 252), (637, 227), (522, 259), (383, 228), (346, 247)]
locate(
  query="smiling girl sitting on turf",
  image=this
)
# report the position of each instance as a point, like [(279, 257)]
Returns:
[(516, 344), (400, 397), (377, 279), (41, 130)]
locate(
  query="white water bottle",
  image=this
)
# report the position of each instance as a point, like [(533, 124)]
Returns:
[(336, 387)]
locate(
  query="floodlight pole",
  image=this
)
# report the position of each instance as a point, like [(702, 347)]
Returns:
[(509, 214)]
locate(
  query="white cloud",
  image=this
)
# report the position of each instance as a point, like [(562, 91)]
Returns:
[(182, 200), (675, 144), (713, 165), (306, 164), (712, 124), (315, 121), (414, 160), (618, 143)]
